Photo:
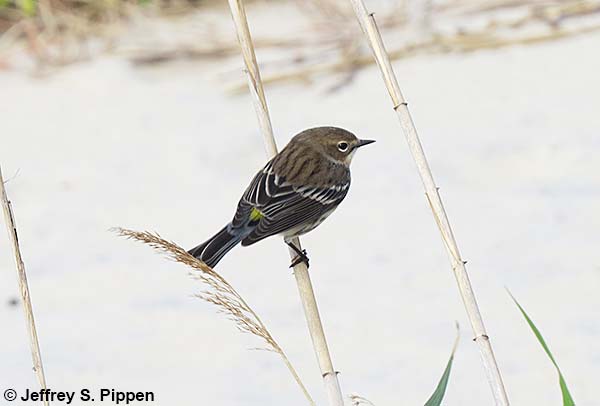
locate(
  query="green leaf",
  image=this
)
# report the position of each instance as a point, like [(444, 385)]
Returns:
[(3, 3), (566, 395), (438, 395)]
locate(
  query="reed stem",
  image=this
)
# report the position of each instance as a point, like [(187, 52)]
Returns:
[(23, 287), (369, 27), (307, 296)]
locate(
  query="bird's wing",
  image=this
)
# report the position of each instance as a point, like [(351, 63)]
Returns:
[(264, 189), (283, 206)]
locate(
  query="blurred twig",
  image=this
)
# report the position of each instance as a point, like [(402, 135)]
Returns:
[(438, 44), (324, 44)]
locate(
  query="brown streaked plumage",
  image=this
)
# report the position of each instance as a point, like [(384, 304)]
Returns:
[(292, 194), (302, 160)]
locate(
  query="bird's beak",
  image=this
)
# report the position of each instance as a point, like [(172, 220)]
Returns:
[(362, 143)]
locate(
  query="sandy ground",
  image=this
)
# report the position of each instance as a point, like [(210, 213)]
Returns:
[(513, 137)]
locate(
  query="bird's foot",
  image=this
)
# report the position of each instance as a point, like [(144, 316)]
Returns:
[(301, 256)]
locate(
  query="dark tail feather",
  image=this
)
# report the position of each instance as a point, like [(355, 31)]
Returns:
[(211, 251)]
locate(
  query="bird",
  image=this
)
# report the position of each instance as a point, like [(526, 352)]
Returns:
[(291, 195)]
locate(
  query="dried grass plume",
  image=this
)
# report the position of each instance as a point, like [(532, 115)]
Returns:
[(218, 292)]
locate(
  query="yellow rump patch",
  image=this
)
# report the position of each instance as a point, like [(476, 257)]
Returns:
[(256, 214)]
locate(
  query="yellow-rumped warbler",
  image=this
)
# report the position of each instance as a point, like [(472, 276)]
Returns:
[(291, 195)]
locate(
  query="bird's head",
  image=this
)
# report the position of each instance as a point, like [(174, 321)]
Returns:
[(335, 143)]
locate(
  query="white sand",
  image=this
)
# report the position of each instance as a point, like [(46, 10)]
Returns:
[(513, 137)]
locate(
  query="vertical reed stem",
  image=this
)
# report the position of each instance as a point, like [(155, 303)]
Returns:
[(369, 27), (307, 296), (23, 287)]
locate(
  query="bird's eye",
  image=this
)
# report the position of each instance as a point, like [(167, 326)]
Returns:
[(342, 146)]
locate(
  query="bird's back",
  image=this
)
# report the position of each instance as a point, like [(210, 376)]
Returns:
[(293, 193)]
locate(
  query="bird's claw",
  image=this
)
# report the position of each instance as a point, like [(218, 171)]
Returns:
[(301, 257)]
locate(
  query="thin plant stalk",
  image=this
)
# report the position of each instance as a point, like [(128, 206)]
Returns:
[(369, 27), (305, 289), (23, 287)]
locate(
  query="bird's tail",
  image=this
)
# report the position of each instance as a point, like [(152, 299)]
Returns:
[(211, 251)]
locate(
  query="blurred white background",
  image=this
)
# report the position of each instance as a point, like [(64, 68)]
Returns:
[(512, 135)]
